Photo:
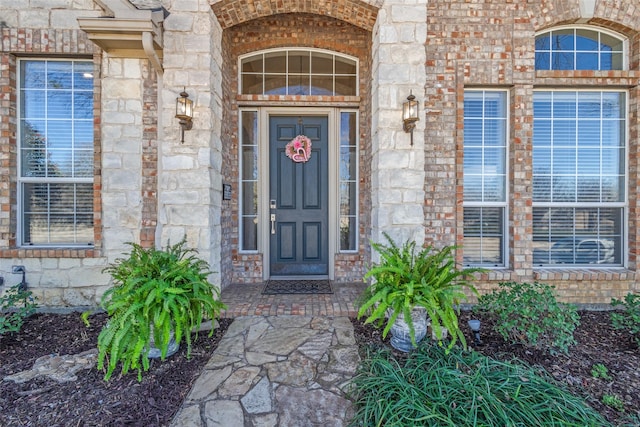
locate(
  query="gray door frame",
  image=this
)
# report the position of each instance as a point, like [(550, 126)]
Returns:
[(263, 199)]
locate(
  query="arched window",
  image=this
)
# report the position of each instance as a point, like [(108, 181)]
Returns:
[(579, 49), (298, 72)]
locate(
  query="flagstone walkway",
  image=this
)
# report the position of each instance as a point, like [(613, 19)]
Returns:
[(286, 360)]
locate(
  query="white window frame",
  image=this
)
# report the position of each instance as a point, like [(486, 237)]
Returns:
[(600, 30), (286, 74), (26, 180), (623, 204), (505, 204)]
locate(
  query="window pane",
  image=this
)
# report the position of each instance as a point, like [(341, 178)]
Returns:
[(297, 72), (321, 85), (57, 145), (586, 39), (578, 236), (346, 86), (586, 169), (348, 181), (275, 84), (275, 62), (249, 234), (483, 236), (484, 176), (299, 62), (578, 49), (321, 63), (345, 66), (52, 213), (249, 181), (252, 84)]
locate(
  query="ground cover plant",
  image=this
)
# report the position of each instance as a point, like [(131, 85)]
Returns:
[(628, 319), (462, 388), (16, 304), (529, 314), (597, 343)]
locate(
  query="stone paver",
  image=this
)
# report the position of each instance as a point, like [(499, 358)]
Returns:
[(276, 371)]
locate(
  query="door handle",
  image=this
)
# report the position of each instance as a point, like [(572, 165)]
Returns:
[(273, 223)]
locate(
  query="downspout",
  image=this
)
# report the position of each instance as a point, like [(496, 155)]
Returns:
[(147, 45)]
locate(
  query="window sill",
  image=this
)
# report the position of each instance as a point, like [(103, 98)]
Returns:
[(69, 252), (583, 273)]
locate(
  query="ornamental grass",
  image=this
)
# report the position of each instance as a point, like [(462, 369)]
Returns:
[(461, 388)]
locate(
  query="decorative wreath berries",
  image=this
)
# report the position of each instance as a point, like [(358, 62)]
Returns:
[(299, 149)]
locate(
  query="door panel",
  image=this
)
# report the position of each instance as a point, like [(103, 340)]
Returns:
[(299, 236)]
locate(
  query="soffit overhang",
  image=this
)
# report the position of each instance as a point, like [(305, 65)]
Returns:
[(127, 31)]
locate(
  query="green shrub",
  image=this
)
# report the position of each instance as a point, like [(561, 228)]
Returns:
[(629, 318), (406, 278), (600, 371), (613, 401), (463, 388), (529, 314), (157, 293), (16, 304)]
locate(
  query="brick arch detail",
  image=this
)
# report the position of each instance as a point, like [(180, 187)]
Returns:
[(361, 13), (608, 14)]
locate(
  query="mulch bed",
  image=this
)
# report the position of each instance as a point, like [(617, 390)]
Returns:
[(123, 401), (597, 342), (90, 401)]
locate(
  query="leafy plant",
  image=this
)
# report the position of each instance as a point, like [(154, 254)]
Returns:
[(465, 388), (406, 278), (16, 304), (613, 401), (600, 371), (529, 314), (629, 318), (157, 293)]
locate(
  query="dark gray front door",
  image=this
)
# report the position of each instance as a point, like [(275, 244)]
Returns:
[(298, 197)]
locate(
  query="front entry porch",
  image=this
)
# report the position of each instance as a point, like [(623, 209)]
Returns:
[(247, 300)]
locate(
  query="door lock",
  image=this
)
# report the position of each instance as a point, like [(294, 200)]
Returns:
[(273, 223)]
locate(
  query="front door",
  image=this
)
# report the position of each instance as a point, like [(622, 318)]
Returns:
[(298, 198)]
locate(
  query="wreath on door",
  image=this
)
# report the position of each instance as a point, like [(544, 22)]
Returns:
[(299, 149)]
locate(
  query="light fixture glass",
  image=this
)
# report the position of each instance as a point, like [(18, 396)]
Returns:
[(184, 112), (410, 114)]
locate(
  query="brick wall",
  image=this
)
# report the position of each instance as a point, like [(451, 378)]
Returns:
[(272, 32), (491, 45)]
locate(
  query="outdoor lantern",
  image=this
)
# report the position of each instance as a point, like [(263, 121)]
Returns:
[(410, 114), (475, 328), (184, 112)]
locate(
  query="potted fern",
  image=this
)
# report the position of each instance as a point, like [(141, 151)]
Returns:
[(158, 296), (410, 285)]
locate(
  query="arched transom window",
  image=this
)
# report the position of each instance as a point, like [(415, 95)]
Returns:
[(579, 49), (298, 72)]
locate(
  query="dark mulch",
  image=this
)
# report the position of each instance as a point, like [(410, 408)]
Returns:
[(123, 401), (597, 342), (90, 401)]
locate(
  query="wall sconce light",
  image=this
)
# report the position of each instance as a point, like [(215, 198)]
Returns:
[(475, 328), (410, 114), (184, 112)]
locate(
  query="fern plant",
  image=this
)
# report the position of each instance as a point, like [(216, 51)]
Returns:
[(157, 293), (406, 278)]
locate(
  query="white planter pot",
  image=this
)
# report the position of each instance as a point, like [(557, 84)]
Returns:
[(400, 336), (155, 352)]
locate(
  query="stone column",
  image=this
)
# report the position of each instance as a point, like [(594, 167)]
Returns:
[(397, 169), (121, 147), (189, 173)]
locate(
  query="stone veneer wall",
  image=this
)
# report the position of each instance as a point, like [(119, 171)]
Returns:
[(491, 44), (190, 173), (273, 32), (45, 29)]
